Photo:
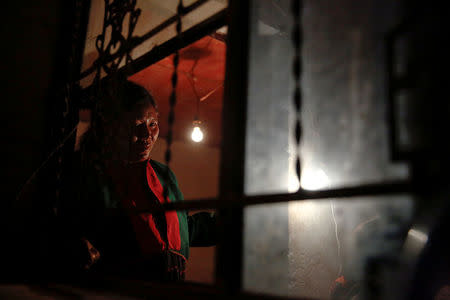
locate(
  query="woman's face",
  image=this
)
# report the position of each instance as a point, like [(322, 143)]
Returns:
[(144, 132)]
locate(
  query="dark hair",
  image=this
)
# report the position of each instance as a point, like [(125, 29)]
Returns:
[(132, 93), (114, 97), (117, 95)]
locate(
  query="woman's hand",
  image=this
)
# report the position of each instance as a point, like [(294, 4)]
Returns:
[(91, 255)]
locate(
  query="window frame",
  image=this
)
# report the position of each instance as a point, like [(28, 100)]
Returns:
[(232, 200)]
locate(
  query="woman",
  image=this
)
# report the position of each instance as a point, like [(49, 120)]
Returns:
[(119, 177)]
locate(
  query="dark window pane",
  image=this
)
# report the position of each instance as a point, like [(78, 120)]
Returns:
[(304, 248)]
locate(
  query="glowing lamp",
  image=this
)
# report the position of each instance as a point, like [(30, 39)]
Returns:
[(197, 134)]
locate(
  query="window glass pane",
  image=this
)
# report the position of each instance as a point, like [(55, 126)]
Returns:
[(199, 94), (269, 103), (309, 248), (344, 116), (344, 97), (199, 90), (153, 13), (119, 166), (201, 73)]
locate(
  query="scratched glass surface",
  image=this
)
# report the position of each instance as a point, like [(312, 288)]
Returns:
[(314, 248)]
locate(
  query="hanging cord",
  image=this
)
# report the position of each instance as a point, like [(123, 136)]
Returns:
[(297, 40), (191, 79), (173, 99), (191, 72)]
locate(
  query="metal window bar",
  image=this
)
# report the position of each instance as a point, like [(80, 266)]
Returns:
[(186, 38), (230, 223), (157, 290), (374, 189), (161, 51)]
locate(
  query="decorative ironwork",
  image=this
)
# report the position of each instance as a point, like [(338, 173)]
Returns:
[(297, 71), (135, 41), (118, 47), (112, 47)]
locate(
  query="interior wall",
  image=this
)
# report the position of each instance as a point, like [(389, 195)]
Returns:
[(196, 167)]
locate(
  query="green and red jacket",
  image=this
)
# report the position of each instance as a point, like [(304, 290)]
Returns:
[(183, 230), (95, 210)]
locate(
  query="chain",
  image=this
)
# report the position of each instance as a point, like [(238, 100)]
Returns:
[(173, 96), (297, 71), (297, 40)]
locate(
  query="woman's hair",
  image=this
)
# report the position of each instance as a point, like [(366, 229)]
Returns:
[(104, 141), (132, 93), (118, 95)]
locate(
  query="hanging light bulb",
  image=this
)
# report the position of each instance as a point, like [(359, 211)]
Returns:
[(197, 134)]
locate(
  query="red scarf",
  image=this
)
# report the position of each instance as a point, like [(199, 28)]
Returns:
[(147, 233)]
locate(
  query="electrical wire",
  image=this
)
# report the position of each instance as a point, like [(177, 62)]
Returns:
[(211, 92), (191, 79)]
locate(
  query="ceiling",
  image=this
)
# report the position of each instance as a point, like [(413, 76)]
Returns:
[(201, 73)]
